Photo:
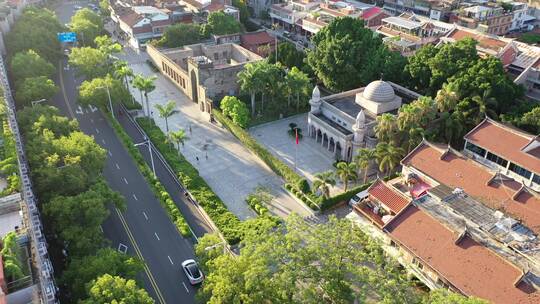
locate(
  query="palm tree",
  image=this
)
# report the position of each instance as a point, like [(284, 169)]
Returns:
[(345, 172), (178, 137), (167, 111), (297, 82), (446, 99), (388, 156), (137, 80), (486, 105), (451, 126), (125, 73), (363, 160), (386, 127), (145, 85), (250, 81), (323, 182)]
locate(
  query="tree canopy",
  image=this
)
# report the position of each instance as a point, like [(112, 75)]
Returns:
[(94, 92), (347, 55), (236, 109), (29, 64), (219, 23), (181, 34), (36, 30), (90, 62), (114, 289), (35, 88), (87, 24)]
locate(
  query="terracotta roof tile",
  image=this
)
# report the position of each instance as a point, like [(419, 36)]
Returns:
[(371, 12), (131, 19), (390, 198), (506, 142), (469, 266), (257, 38), (484, 41), (457, 171)]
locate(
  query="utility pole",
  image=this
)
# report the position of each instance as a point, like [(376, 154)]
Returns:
[(110, 100), (35, 102), (147, 142)]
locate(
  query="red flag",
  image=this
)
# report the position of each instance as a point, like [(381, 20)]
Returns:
[(296, 134)]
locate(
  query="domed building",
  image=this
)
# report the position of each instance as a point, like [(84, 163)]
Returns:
[(344, 122)]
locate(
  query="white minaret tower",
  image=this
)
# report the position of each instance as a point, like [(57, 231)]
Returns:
[(359, 131), (315, 101)]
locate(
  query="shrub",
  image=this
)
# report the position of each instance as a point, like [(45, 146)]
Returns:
[(229, 225), (345, 196), (303, 185)]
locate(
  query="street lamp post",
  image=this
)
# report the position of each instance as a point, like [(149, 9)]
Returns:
[(217, 245), (147, 142), (35, 102), (110, 100)]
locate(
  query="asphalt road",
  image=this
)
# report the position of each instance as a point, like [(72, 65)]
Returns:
[(144, 229)]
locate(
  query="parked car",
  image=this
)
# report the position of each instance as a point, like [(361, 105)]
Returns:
[(358, 197), (192, 271)]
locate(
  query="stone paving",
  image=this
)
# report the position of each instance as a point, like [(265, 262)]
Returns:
[(228, 167)]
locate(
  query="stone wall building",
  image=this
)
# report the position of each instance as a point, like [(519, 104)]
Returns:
[(203, 72), (344, 122)]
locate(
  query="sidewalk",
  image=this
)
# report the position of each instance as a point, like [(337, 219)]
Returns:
[(228, 167)]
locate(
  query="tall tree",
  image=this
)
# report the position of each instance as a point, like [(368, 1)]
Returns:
[(106, 45), (114, 289), (363, 160), (166, 111), (145, 85), (90, 62), (30, 64), (94, 92), (178, 137), (288, 56), (35, 88), (87, 24), (347, 55), (323, 181), (219, 23), (298, 84), (181, 34), (296, 262), (388, 156), (346, 172), (251, 81), (83, 270), (386, 127)]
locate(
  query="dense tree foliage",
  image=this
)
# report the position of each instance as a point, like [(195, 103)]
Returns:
[(35, 88), (94, 92), (180, 34), (106, 260), (244, 12), (236, 110), (90, 62), (347, 55), (219, 23), (288, 56), (298, 263), (115, 289), (11, 256), (29, 64), (36, 30), (87, 24)]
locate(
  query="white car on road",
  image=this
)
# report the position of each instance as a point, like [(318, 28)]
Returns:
[(194, 274)]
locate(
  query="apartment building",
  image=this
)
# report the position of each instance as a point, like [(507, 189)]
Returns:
[(466, 221), (434, 9), (409, 32), (289, 14), (489, 18)]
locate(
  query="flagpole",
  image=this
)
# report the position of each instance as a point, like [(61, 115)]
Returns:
[(295, 148)]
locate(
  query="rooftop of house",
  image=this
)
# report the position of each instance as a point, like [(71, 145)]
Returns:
[(492, 44), (390, 198), (448, 167), (371, 12), (507, 142), (466, 264), (256, 38)]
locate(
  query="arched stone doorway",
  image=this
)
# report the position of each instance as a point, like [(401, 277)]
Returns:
[(318, 137), (338, 151), (331, 145), (325, 140), (194, 91), (349, 153)]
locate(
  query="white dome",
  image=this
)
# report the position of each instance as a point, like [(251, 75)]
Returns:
[(379, 91)]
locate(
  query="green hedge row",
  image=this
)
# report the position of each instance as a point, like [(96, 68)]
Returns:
[(229, 225), (272, 161), (132, 104), (164, 197), (345, 196), (309, 198)]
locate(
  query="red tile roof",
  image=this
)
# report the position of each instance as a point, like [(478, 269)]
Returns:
[(468, 265), (375, 218), (505, 141), (484, 41), (371, 12), (257, 38), (131, 19), (457, 171), (390, 198)]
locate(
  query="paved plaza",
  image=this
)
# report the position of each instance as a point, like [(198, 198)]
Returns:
[(228, 167)]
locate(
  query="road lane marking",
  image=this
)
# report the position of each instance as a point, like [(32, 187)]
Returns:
[(170, 260), (145, 216), (157, 237), (117, 167), (122, 248), (110, 154), (91, 120), (139, 254), (64, 90), (97, 131), (135, 197), (79, 111), (125, 181), (187, 290), (103, 141)]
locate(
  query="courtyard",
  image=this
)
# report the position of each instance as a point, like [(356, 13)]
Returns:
[(231, 170)]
